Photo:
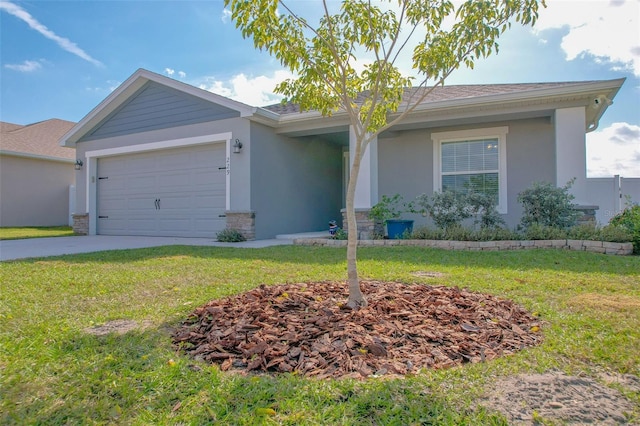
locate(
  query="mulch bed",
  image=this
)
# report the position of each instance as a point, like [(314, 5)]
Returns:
[(306, 328)]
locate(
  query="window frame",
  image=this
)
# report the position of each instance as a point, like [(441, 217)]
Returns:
[(499, 133)]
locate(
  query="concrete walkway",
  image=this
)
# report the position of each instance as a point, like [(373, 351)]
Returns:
[(56, 246)]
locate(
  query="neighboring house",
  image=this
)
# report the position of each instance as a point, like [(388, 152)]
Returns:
[(35, 174), (166, 158)]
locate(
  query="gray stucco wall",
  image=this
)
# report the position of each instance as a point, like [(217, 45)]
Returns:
[(34, 192), (405, 161), (296, 184)]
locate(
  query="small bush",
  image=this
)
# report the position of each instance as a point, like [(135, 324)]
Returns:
[(447, 209), (230, 236), (536, 231), (459, 233), (620, 234), (629, 218), (388, 208), (340, 234), (484, 206), (548, 206), (426, 233), (613, 233)]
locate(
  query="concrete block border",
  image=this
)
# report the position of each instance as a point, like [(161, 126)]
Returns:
[(604, 247)]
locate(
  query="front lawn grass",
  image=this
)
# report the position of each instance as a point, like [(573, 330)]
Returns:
[(35, 232), (53, 372)]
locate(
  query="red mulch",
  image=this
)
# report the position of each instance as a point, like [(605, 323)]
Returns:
[(405, 327)]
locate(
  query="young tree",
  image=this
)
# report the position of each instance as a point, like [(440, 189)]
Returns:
[(323, 58)]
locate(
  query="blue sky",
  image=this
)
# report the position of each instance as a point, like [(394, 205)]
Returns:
[(59, 59)]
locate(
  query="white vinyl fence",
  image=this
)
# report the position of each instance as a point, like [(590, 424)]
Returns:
[(610, 195)]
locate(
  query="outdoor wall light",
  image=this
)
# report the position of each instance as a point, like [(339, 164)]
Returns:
[(237, 146), (78, 165)]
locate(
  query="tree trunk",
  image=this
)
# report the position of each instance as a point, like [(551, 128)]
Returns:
[(356, 297)]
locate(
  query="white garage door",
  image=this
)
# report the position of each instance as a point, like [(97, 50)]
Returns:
[(174, 192)]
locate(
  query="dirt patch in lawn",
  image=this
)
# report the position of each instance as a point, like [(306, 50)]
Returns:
[(556, 398), (307, 329), (615, 303), (121, 326)]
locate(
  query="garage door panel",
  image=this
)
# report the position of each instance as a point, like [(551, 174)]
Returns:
[(140, 183), (200, 177), (175, 225), (114, 205), (113, 227), (145, 205), (138, 163), (175, 162), (173, 181), (187, 181), (207, 203), (113, 184)]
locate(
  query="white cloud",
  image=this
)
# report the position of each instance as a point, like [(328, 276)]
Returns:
[(226, 16), (170, 72), (608, 30), (110, 87), (64, 43), (26, 66), (254, 91), (614, 150)]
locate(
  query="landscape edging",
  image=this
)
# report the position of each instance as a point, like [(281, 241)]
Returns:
[(605, 247)]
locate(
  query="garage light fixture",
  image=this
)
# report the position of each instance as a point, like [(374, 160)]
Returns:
[(78, 165), (237, 146)]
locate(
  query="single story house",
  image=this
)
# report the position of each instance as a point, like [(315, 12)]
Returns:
[(35, 174), (162, 157)]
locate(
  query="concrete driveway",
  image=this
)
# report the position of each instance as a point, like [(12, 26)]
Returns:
[(55, 246)]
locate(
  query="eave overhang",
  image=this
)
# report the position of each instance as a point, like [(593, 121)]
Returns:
[(595, 96)]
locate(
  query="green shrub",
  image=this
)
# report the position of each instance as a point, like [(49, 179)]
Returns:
[(629, 218), (447, 209), (548, 206), (620, 234), (340, 234), (485, 207), (230, 235), (388, 208), (536, 231), (426, 233), (613, 233), (460, 233)]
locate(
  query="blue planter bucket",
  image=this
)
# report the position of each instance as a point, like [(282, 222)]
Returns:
[(396, 228)]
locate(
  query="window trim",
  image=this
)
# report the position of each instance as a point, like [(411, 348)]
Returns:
[(500, 133)]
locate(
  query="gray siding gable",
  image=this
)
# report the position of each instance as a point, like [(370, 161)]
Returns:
[(155, 107)]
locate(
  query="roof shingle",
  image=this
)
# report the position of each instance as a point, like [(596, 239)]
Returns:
[(449, 93), (36, 139)]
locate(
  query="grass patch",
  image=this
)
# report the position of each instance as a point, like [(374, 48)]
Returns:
[(53, 372), (20, 233)]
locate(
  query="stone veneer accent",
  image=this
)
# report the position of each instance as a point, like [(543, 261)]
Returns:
[(622, 249), (588, 215), (80, 223), (367, 228), (243, 221)]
